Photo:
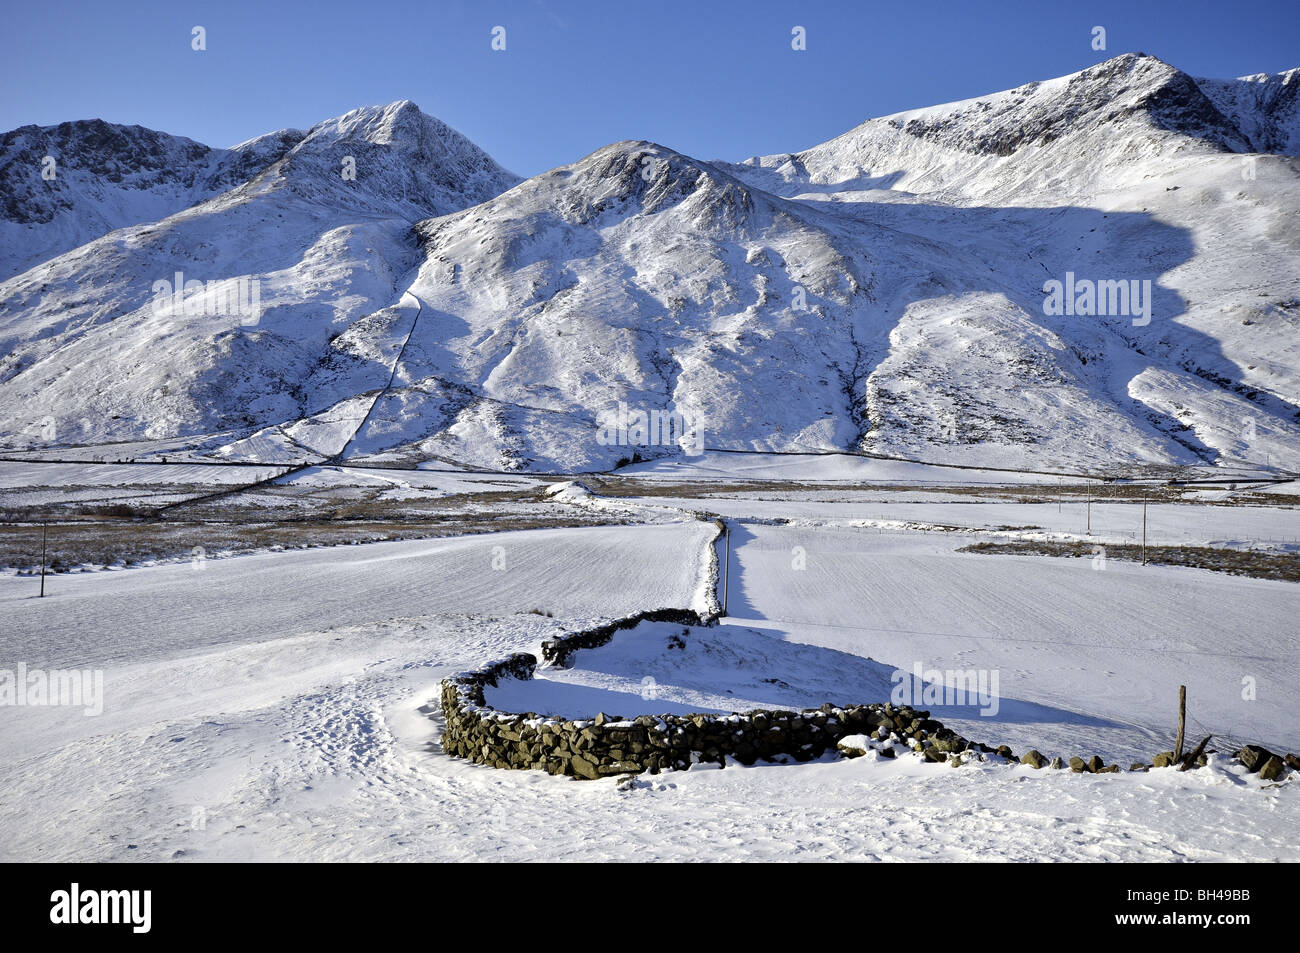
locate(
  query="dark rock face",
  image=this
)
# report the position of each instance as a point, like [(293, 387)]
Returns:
[(97, 155), (1271, 770), (1179, 105), (1254, 757)]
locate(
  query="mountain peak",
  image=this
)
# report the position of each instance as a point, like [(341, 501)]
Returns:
[(397, 123), (1001, 145), (393, 157)]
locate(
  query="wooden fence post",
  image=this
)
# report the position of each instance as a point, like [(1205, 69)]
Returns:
[(1182, 722), (44, 529)]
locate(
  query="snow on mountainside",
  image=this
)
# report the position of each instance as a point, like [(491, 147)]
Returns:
[(405, 162), (328, 254), (1081, 135), (99, 177), (884, 291), (1126, 171), (1265, 109), (640, 276), (107, 176)]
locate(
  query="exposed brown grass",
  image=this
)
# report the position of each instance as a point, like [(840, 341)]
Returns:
[(1015, 493), (1237, 562), (107, 542)]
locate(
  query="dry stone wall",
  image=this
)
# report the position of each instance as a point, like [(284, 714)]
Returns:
[(607, 744)]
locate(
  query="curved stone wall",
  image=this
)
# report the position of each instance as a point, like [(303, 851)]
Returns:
[(606, 745)]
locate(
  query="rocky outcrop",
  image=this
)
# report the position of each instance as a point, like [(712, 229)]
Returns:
[(1269, 766)]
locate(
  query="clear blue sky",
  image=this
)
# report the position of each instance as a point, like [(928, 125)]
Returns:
[(711, 79)]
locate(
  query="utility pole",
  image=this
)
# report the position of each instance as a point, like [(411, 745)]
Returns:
[(1089, 515), (44, 526)]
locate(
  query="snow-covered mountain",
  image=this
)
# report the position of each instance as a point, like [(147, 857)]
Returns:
[(1131, 170), (65, 185), (1076, 137), (884, 291), (91, 358)]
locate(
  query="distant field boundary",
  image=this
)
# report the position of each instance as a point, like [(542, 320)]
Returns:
[(1237, 562)]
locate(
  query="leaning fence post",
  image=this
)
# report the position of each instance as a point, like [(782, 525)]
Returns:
[(1182, 722)]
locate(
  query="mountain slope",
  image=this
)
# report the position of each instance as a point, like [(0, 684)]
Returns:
[(87, 355), (103, 176), (943, 349), (885, 292), (1127, 171), (641, 277)]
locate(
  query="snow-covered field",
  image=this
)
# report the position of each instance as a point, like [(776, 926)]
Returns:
[(1101, 651), (820, 467), (35, 484), (278, 705), (109, 617)]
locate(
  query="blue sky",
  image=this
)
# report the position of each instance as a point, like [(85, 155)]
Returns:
[(711, 79)]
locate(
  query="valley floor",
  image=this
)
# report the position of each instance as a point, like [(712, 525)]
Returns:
[(277, 706)]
